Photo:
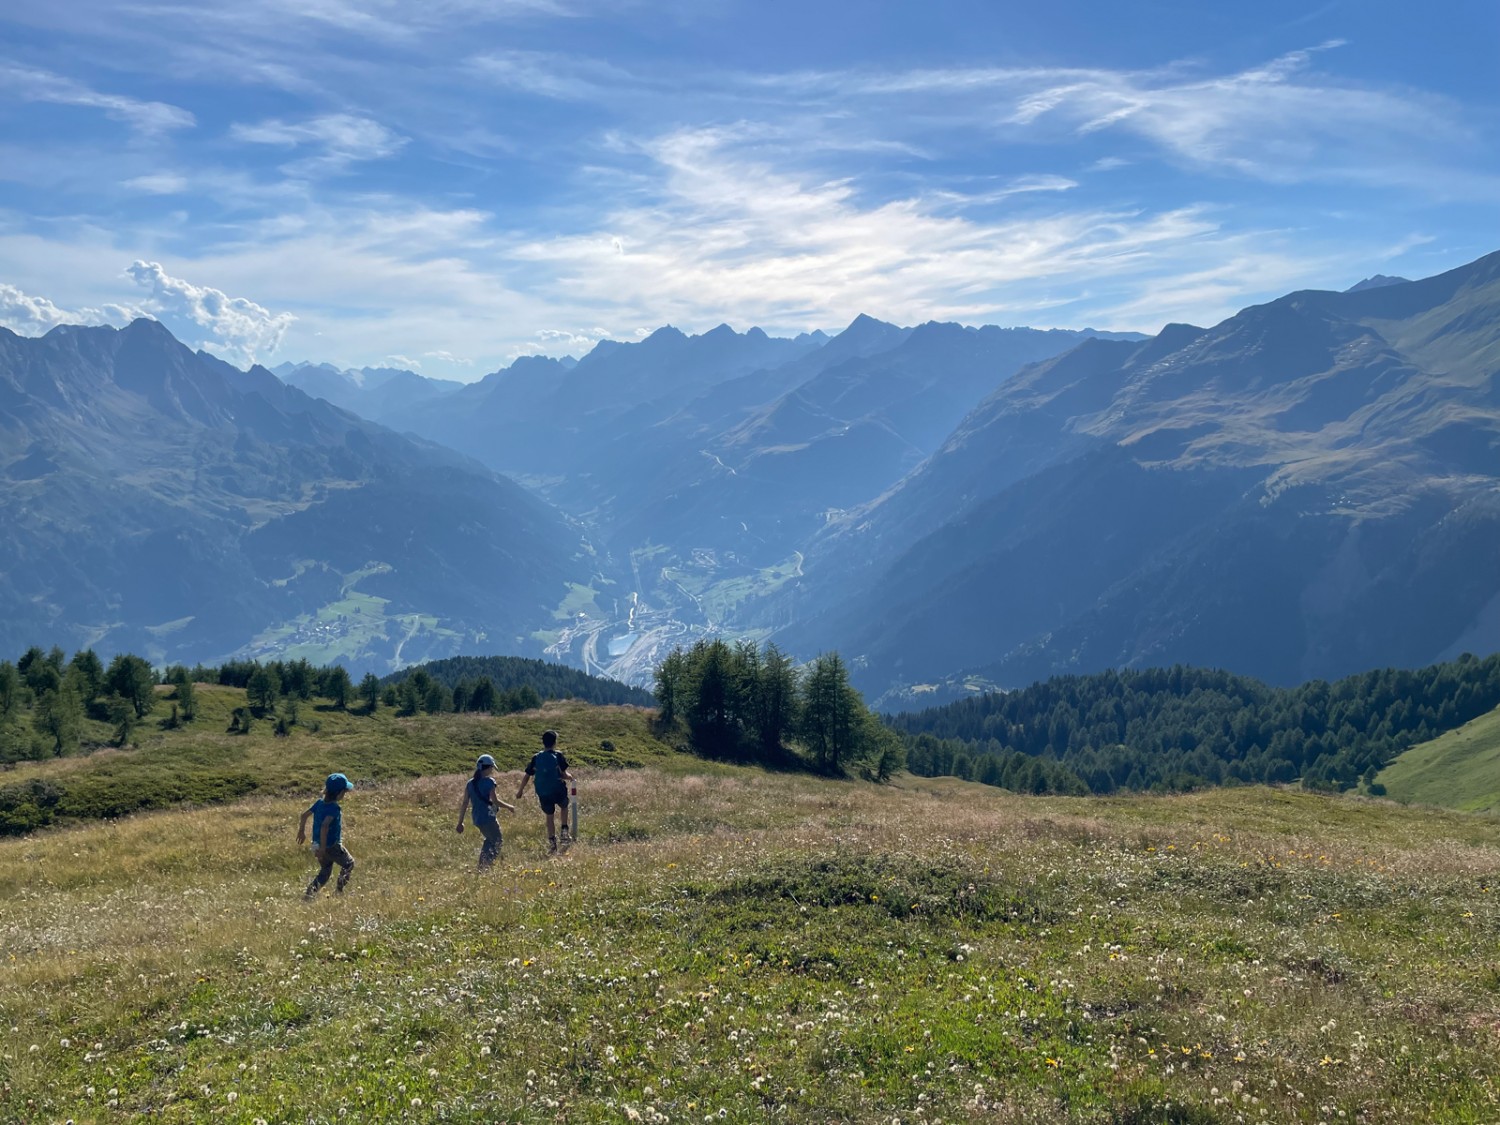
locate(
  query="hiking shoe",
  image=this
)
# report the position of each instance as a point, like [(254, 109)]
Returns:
[(551, 847)]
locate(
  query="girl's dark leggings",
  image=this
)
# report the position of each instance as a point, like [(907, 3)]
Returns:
[(328, 857)]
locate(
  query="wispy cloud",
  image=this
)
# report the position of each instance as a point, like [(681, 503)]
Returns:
[(343, 139), (1281, 121), (158, 183), (728, 233), (551, 74), (511, 177), (32, 85), (242, 329)]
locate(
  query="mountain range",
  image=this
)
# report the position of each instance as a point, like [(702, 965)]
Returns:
[(161, 501), (381, 394), (1308, 489)]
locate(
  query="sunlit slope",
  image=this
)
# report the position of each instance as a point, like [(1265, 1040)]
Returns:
[(749, 947), (1459, 770), (203, 761)]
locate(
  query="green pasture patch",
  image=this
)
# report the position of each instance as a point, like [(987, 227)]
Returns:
[(578, 600), (1459, 770)]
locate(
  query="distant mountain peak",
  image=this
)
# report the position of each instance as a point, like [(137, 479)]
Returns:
[(666, 332), (148, 328), (1376, 281)]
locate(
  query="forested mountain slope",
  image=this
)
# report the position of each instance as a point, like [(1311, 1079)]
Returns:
[(1182, 728), (1308, 489), (164, 502)]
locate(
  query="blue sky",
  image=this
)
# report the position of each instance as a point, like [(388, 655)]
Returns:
[(448, 184)]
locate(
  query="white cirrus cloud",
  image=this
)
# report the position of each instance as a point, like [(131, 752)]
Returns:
[(730, 231), (446, 356), (1281, 121), (33, 85), (548, 74), (158, 183), (403, 361), (30, 315), (243, 330), (341, 138)]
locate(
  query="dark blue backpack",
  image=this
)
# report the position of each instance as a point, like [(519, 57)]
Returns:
[(549, 778)]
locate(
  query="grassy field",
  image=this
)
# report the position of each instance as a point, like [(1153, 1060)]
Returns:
[(201, 761), (716, 595), (1461, 769), (731, 945)]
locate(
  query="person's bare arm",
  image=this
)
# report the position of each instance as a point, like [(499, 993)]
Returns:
[(463, 808), (302, 827), (525, 781)]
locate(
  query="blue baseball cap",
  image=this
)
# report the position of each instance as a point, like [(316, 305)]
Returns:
[(484, 760), (337, 783)]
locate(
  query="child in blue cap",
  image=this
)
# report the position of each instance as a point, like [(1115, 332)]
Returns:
[(328, 835), (480, 796)]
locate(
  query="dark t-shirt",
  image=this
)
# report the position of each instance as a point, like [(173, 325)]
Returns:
[(548, 767), (482, 800)]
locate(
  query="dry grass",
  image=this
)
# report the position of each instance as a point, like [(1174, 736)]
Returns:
[(741, 946)]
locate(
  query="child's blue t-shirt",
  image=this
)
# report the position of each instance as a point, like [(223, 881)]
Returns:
[(327, 810), (481, 800)]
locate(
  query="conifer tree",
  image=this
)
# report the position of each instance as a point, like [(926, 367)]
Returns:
[(132, 679), (485, 698), (338, 687), (831, 713), (122, 714), (10, 690), (263, 689), (90, 672), (671, 681), (776, 699), (59, 716), (369, 691)]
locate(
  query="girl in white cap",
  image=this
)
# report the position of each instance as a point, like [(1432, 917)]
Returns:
[(480, 796)]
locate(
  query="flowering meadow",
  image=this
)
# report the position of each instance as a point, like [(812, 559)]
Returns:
[(730, 945)]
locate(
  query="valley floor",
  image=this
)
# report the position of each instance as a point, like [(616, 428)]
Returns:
[(738, 946)]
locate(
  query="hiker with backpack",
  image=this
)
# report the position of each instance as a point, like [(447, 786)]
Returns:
[(549, 770), (480, 796)]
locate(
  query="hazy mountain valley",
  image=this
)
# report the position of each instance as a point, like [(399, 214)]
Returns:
[(1308, 489)]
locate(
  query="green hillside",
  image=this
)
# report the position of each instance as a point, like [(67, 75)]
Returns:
[(203, 761), (1459, 770), (727, 944)]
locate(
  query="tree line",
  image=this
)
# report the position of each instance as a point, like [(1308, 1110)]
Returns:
[(741, 700), (510, 673), (1182, 728), (51, 705), (47, 700)]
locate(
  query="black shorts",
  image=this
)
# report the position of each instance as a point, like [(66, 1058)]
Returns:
[(552, 801)]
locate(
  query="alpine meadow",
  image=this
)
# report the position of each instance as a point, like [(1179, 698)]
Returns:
[(587, 561)]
